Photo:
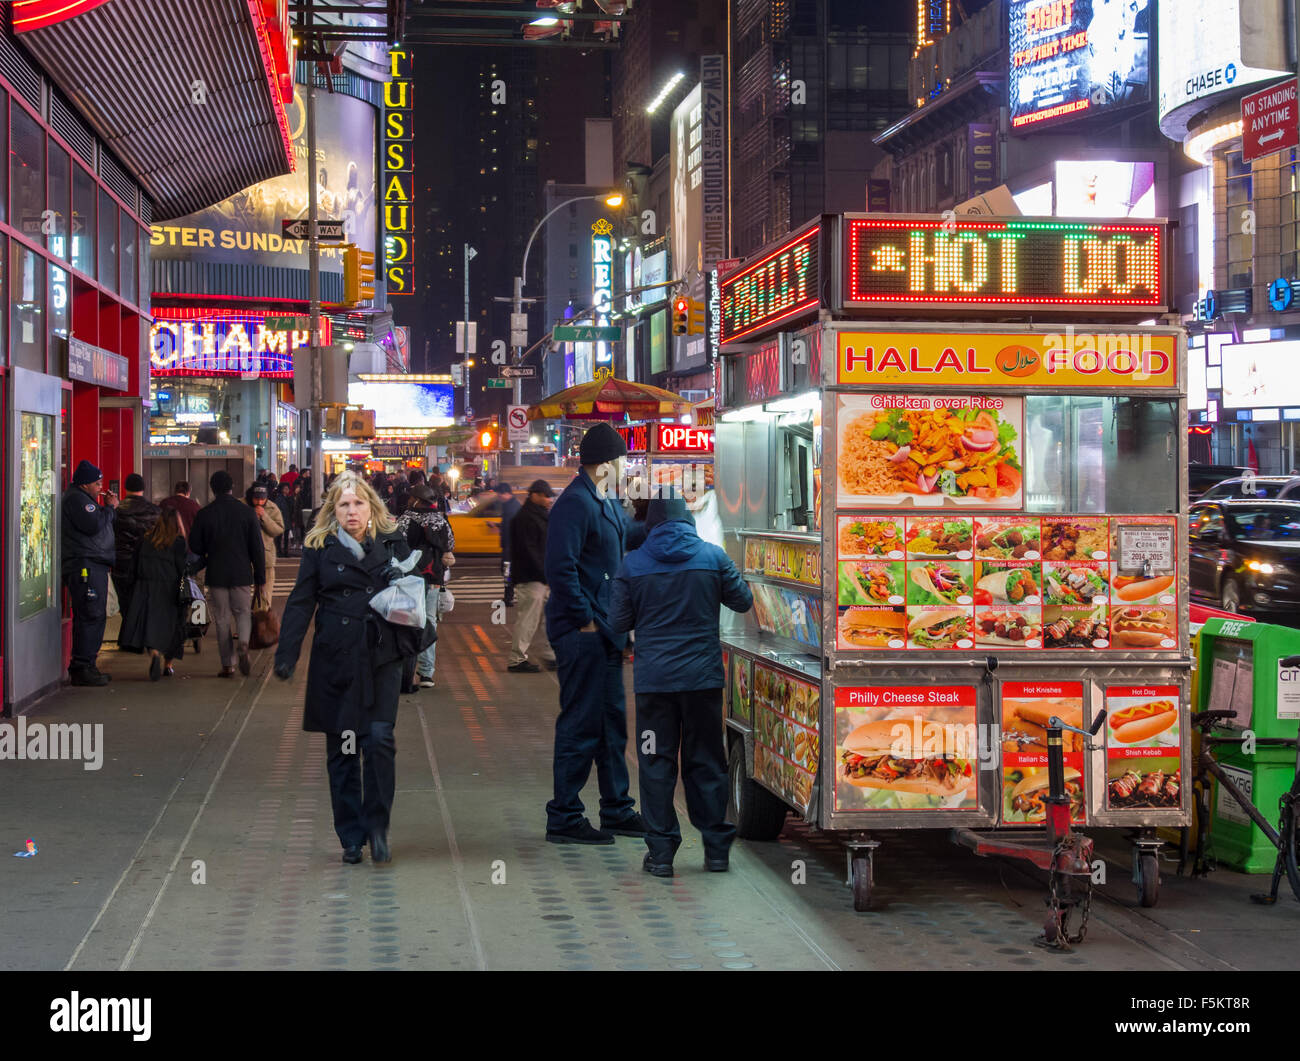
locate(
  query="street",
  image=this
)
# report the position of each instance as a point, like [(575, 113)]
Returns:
[(205, 842)]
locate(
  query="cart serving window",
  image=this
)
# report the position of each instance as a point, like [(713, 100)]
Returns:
[(958, 527)]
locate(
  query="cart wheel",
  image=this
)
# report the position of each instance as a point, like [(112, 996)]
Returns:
[(1148, 878), (860, 869), (757, 813)]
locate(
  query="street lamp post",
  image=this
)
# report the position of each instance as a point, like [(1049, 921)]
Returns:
[(612, 200)]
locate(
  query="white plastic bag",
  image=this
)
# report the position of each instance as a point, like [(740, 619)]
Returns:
[(446, 602), (402, 602)]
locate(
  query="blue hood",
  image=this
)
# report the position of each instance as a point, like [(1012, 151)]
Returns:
[(673, 542)]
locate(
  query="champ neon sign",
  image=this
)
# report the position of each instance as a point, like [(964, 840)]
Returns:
[(1003, 264), (234, 346)]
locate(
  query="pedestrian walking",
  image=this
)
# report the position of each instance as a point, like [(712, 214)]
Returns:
[(156, 621), (134, 519), (509, 509), (428, 530), (227, 540), (355, 670), (291, 476), (283, 499), (186, 507), (670, 591), (528, 573), (584, 548), (301, 508), (88, 551), (271, 524)]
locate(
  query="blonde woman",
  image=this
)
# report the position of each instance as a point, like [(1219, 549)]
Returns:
[(354, 675)]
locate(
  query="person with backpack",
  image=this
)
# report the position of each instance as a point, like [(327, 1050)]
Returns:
[(428, 530)]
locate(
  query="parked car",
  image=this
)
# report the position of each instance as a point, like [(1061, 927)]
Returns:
[(1257, 487), (1245, 556), (1200, 477)]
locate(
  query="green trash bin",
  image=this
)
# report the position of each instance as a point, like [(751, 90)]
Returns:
[(1241, 670)]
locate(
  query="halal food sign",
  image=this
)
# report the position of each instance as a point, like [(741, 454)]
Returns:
[(1003, 264)]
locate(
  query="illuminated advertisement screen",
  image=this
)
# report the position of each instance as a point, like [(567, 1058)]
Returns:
[(1260, 375), (1008, 263), (1068, 58), (775, 290), (1104, 188), (405, 404)]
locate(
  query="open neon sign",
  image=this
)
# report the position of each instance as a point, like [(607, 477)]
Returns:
[(1003, 264)]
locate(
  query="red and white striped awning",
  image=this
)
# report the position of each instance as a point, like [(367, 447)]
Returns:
[(189, 94)]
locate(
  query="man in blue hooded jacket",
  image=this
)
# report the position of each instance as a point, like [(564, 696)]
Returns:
[(670, 591), (584, 545)]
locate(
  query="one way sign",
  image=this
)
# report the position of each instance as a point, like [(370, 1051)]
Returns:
[(300, 228), (1268, 121)]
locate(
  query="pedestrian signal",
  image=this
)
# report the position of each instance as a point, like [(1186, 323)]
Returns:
[(681, 315)]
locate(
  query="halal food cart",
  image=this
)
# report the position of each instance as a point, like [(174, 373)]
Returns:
[(662, 453), (951, 463)]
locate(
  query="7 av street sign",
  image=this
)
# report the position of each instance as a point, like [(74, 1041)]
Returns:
[(1268, 121), (300, 228), (586, 333)]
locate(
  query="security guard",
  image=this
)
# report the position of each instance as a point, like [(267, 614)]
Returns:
[(89, 550)]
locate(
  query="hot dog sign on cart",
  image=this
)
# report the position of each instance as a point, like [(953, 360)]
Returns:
[(1000, 526)]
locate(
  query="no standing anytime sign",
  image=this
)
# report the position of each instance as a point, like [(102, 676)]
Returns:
[(1268, 121)]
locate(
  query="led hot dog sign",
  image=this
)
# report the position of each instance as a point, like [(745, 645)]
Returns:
[(1009, 263), (774, 290)]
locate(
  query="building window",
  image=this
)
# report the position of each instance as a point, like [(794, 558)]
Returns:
[(107, 241), (26, 302), (1239, 191), (83, 221), (56, 239), (26, 173), (129, 274), (57, 315)]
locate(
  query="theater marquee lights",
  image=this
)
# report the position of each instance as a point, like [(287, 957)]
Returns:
[(774, 290), (399, 175), (227, 346), (1003, 264)]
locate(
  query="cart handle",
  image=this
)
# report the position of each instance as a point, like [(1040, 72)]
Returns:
[(1056, 723)]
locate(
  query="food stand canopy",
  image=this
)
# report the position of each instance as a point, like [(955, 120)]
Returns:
[(607, 398)]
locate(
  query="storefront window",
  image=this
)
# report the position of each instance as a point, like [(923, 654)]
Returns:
[(36, 516), (129, 274), (56, 317), (4, 150), (107, 241), (286, 437), (56, 231), (26, 172), (26, 305), (1125, 454), (83, 221), (143, 260)]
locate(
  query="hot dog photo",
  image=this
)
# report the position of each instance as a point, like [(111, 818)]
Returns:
[(1146, 722), (1143, 628)]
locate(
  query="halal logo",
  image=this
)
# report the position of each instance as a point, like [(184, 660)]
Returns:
[(602, 227)]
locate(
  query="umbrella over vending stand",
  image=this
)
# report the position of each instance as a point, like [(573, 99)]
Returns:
[(609, 398)]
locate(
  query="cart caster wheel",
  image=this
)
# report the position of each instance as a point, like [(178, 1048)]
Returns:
[(1148, 869), (860, 868)]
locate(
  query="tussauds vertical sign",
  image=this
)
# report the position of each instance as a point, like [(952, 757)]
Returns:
[(399, 175)]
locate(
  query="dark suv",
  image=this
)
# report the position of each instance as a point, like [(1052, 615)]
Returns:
[(1245, 556)]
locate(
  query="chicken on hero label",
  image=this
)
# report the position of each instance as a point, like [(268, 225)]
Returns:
[(1027, 710), (906, 748)]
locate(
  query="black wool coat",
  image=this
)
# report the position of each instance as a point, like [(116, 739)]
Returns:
[(155, 618), (354, 675)]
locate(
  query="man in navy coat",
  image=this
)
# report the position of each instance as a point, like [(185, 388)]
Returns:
[(670, 591), (584, 548)]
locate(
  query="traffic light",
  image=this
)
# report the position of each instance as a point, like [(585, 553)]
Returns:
[(488, 438), (681, 315), (358, 275), (695, 316)]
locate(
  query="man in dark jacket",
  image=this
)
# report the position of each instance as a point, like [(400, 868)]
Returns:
[(528, 574), (135, 519), (509, 510), (584, 547), (228, 542), (670, 591), (89, 549), (186, 507)]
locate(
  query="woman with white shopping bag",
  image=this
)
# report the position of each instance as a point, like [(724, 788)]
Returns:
[(350, 556)]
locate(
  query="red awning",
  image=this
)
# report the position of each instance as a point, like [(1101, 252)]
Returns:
[(187, 93)]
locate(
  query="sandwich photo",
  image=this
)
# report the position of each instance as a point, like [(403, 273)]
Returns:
[(1140, 722), (1024, 722), (1008, 585), (871, 756), (1075, 584), (940, 628), (1142, 628), (1024, 799), (873, 627), (939, 583), (1007, 628), (862, 582)]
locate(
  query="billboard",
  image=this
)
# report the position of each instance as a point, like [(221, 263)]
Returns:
[(1260, 375), (686, 158), (1069, 58), (1105, 188), (405, 404), (245, 228), (1214, 47)]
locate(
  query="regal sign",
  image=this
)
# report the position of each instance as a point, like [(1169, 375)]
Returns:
[(399, 175)]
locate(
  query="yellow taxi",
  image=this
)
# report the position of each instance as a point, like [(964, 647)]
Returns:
[(478, 531)]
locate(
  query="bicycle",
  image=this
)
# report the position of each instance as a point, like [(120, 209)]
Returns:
[(1286, 837)]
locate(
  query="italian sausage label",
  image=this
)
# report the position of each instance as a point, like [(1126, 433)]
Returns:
[(1143, 732)]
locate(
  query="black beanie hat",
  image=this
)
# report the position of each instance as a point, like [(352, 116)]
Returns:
[(601, 443), (665, 510), (86, 474)]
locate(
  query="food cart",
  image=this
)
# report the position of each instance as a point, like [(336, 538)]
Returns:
[(662, 453), (950, 463)]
